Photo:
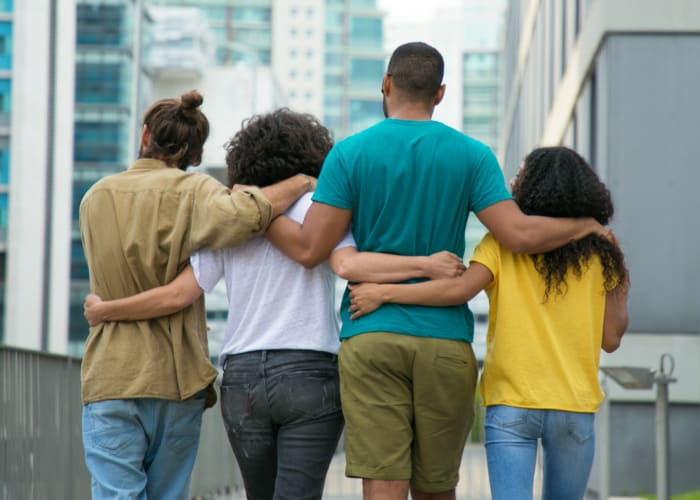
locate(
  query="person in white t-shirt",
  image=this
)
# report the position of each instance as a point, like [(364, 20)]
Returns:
[(279, 394)]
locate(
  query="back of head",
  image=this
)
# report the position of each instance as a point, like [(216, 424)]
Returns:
[(558, 182), (275, 146), (177, 130), (416, 69)]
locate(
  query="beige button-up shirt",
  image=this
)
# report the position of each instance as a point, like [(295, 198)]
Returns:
[(139, 228)]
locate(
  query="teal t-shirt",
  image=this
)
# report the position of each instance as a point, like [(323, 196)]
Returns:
[(410, 186)]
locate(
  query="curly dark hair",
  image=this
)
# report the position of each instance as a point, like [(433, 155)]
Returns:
[(558, 182), (274, 146)]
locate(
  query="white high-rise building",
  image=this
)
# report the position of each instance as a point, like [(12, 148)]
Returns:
[(41, 164), (298, 32)]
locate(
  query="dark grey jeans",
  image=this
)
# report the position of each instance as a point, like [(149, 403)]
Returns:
[(282, 413)]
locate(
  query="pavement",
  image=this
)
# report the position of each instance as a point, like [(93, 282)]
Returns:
[(473, 479)]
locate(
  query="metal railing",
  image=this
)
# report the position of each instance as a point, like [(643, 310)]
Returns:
[(41, 451)]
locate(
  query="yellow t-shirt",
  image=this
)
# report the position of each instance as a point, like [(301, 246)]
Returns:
[(539, 354)]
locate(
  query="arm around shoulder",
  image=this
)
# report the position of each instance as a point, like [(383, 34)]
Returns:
[(521, 233)]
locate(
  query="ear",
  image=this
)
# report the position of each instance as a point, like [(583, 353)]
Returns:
[(386, 84), (145, 136), (440, 94)]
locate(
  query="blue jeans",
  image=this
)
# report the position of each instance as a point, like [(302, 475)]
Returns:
[(281, 409), (141, 448), (511, 447)]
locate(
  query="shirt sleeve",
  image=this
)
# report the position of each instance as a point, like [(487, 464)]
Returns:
[(487, 253), (333, 187), (221, 219), (208, 267), (488, 183)]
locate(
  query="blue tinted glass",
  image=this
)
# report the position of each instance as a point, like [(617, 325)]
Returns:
[(4, 166), (97, 142), (366, 72), (100, 24), (366, 31), (98, 83)]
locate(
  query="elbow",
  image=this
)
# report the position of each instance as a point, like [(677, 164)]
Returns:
[(613, 339), (341, 268), (611, 345), (309, 260)]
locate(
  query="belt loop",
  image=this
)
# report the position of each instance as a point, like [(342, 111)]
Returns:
[(264, 356)]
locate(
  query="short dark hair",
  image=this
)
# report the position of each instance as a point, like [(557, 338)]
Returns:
[(558, 182), (178, 130), (274, 146), (416, 69)]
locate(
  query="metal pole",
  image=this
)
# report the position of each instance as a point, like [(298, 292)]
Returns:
[(662, 470), (662, 380), (604, 468)]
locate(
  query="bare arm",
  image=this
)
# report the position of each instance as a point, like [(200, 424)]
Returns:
[(522, 233), (373, 267), (282, 194), (312, 242), (153, 303), (367, 297), (615, 320)]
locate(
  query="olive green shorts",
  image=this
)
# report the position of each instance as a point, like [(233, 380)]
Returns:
[(409, 405)]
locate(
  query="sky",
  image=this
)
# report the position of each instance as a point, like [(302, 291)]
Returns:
[(399, 11)]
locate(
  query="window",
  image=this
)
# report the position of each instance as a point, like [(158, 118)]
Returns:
[(100, 24), (98, 83), (366, 31), (366, 72)]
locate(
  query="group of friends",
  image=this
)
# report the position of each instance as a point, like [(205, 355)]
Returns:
[(385, 209)]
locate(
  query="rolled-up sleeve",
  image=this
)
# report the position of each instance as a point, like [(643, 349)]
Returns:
[(221, 219)]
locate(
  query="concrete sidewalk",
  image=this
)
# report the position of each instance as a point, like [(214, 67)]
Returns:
[(473, 479)]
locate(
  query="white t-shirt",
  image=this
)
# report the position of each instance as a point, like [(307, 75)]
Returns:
[(273, 302)]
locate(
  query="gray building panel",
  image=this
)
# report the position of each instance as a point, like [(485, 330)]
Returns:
[(651, 114)]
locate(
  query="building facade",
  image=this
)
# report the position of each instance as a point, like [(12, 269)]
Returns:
[(110, 75), (354, 64), (617, 80), (6, 26), (36, 167)]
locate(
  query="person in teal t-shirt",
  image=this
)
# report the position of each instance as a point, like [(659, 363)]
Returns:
[(407, 185)]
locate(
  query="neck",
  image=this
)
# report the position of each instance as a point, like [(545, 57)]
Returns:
[(411, 111)]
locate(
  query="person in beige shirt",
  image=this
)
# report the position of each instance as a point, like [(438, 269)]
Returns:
[(145, 384)]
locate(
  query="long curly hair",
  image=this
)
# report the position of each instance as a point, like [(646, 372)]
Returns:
[(274, 146), (558, 182)]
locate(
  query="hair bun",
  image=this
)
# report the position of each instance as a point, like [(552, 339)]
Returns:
[(191, 100)]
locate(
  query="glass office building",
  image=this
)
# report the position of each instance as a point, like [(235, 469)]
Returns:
[(242, 29), (5, 108), (354, 66), (105, 63), (481, 95)]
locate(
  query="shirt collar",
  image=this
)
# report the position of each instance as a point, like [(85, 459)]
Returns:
[(148, 164)]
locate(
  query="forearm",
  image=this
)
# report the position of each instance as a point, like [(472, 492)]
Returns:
[(542, 234), (531, 234), (616, 318), (377, 267), (437, 293), (146, 305), (282, 194)]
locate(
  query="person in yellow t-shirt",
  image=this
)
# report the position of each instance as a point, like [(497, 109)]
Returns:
[(550, 315)]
